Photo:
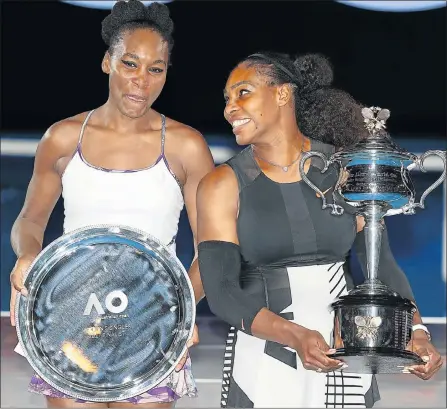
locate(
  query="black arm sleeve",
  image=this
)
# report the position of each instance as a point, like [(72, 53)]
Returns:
[(389, 271), (220, 269)]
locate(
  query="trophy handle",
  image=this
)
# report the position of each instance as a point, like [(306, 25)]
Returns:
[(420, 163), (340, 181), (336, 209)]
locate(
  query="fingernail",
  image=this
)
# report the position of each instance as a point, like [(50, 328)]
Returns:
[(331, 351), (342, 367), (405, 371), (24, 292), (426, 358)]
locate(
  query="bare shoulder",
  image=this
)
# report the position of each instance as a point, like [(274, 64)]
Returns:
[(218, 205), (220, 184), (61, 138), (186, 138)]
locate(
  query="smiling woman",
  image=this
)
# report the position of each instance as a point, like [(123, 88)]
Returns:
[(271, 258)]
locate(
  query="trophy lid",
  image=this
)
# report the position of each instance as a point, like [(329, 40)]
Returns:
[(378, 142)]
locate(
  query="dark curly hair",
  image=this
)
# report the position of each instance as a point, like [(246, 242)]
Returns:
[(324, 113), (130, 15)]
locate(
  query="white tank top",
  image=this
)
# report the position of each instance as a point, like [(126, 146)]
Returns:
[(148, 199)]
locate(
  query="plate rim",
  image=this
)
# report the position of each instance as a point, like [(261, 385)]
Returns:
[(111, 229)]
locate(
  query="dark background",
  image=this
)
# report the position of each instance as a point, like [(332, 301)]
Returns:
[(50, 69), (51, 55)]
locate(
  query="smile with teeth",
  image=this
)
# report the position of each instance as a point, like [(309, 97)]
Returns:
[(240, 122)]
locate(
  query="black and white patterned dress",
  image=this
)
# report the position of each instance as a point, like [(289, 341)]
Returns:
[(293, 256)]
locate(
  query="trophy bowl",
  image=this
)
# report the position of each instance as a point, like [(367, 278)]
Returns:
[(372, 333), (108, 314), (373, 323)]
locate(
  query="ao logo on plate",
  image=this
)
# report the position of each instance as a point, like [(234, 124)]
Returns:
[(93, 302)]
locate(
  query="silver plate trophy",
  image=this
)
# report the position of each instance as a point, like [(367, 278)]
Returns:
[(372, 323), (108, 314)]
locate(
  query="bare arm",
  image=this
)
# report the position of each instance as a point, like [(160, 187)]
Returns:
[(43, 192), (197, 162)]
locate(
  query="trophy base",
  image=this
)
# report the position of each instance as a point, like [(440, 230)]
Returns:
[(376, 360)]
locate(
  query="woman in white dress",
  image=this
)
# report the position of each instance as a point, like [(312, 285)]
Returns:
[(122, 163)]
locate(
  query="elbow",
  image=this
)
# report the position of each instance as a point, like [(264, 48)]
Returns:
[(15, 230), (219, 299), (216, 306), (213, 293)]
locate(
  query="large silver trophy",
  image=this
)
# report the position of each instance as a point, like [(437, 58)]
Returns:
[(108, 314), (372, 323)]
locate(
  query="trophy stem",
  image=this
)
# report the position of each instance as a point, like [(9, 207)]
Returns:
[(373, 213)]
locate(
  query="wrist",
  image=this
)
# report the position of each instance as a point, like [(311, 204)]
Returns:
[(27, 257), (420, 331), (419, 334), (292, 332)]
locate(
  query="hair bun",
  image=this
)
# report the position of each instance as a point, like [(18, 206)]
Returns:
[(124, 12), (314, 71), (159, 14)]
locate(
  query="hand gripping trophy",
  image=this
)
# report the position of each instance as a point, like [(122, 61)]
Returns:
[(372, 321)]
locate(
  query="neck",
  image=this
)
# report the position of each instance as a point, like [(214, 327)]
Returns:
[(113, 118), (282, 147)]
